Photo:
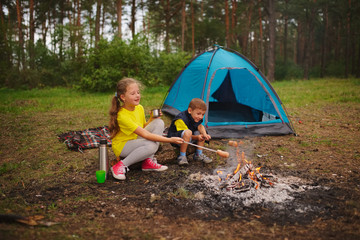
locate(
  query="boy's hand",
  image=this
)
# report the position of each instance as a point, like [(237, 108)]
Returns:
[(206, 137), (201, 138)]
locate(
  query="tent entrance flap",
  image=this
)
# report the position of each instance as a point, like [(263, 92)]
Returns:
[(227, 105)]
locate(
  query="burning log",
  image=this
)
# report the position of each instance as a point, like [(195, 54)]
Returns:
[(244, 177)]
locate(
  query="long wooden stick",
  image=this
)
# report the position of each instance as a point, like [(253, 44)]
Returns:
[(218, 152)]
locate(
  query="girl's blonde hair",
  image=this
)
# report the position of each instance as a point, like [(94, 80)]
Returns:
[(116, 104)]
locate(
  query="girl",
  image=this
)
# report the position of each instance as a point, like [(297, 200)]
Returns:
[(133, 138)]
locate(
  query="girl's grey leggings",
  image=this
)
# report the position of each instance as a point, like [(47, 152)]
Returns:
[(139, 149)]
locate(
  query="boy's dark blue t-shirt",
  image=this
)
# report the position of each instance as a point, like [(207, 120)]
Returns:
[(188, 120)]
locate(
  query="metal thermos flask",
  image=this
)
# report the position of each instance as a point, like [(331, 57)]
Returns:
[(103, 156)]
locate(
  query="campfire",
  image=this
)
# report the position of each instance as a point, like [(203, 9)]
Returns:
[(240, 186), (245, 177)]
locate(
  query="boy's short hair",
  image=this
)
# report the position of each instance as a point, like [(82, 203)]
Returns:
[(197, 103)]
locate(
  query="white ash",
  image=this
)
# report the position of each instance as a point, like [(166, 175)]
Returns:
[(282, 196), (280, 192)]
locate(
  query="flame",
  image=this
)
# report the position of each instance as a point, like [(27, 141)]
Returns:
[(219, 172), (248, 172), (237, 168)]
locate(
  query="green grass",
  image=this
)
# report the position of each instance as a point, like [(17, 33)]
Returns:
[(181, 193), (292, 93), (7, 167), (302, 93), (43, 100)]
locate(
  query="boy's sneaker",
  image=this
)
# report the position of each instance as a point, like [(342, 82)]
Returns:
[(182, 160), (118, 171), (149, 165), (202, 157)]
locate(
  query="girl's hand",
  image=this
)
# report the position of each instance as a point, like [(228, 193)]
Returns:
[(151, 114), (177, 140)]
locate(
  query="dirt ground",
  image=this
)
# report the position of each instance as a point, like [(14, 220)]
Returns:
[(68, 203)]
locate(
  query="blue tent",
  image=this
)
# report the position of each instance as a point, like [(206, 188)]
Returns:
[(240, 100)]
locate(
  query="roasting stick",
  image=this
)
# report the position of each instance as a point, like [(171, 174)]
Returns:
[(218, 152)]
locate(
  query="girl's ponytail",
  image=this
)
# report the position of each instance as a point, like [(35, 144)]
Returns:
[(114, 109)]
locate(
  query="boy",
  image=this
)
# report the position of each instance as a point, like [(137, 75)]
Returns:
[(187, 125)]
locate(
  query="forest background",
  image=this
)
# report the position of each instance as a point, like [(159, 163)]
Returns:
[(91, 44)]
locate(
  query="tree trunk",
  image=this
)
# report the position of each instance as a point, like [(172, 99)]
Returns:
[(44, 31), (261, 50), (358, 59), (119, 15), (133, 18), (255, 52), (21, 55), (61, 21), (148, 27), (52, 18), (6, 53), (144, 18), (192, 28), (295, 50), (233, 22), (97, 22), (3, 28), (183, 24), (347, 44), (247, 27), (32, 33), (285, 31), (103, 14), (300, 43), (79, 32), (227, 24), (309, 41), (167, 26), (270, 61), (338, 40), (71, 29), (324, 43)]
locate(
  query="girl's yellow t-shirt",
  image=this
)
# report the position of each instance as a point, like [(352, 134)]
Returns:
[(128, 122)]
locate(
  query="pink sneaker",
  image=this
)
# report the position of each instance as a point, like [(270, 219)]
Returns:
[(118, 171), (149, 165)]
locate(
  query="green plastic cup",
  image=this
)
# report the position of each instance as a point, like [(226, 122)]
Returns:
[(100, 176)]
